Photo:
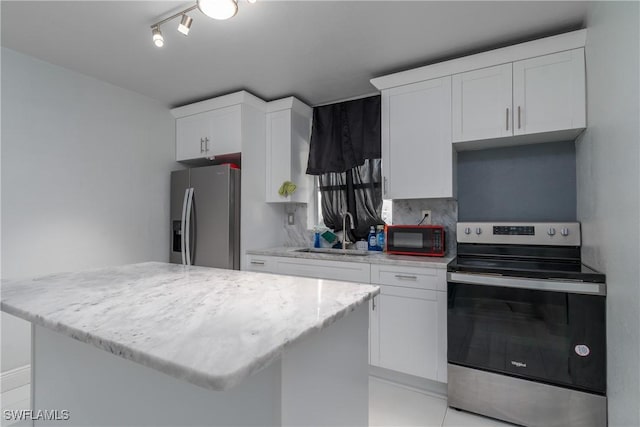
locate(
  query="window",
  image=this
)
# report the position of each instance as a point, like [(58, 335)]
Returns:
[(386, 214)]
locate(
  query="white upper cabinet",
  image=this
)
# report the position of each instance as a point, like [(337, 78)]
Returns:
[(417, 158), (482, 104), (521, 94), (538, 98), (217, 126), (288, 135), (549, 93), (209, 134)]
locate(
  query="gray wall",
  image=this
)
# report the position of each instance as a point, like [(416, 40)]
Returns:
[(609, 191), (85, 178), (525, 183)]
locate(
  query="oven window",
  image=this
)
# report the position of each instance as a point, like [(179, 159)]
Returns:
[(407, 240), (528, 333)]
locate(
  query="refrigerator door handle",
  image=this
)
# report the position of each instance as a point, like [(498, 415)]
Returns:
[(187, 230), (183, 225)]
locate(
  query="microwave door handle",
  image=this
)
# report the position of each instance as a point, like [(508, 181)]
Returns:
[(183, 225), (187, 231)]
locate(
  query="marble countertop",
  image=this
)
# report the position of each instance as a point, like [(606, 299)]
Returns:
[(374, 258), (207, 326)]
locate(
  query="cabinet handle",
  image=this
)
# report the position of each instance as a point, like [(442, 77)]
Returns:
[(518, 117), (406, 277), (385, 186), (257, 262), (373, 304), (206, 144), (507, 119), (201, 146)]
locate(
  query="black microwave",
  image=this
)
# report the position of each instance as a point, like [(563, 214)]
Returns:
[(426, 240)]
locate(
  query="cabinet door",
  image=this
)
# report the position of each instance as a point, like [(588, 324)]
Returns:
[(549, 93), (209, 134), (278, 153), (190, 134), (417, 158), (408, 331), (224, 131), (481, 105)]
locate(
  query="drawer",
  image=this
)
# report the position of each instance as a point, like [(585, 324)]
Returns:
[(411, 277), (260, 263), (322, 269)]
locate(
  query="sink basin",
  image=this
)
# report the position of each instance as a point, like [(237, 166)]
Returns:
[(352, 252)]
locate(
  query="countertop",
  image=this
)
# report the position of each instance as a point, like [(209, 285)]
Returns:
[(374, 258), (207, 326)]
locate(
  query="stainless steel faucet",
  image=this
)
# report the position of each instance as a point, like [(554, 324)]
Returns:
[(344, 227)]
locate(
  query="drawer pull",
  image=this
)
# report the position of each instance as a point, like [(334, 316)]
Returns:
[(406, 277), (257, 262)]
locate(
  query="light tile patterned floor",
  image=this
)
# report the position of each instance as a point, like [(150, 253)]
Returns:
[(392, 405)]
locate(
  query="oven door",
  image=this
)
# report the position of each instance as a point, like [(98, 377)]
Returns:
[(533, 329)]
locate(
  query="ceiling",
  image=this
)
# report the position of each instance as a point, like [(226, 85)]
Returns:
[(319, 51)]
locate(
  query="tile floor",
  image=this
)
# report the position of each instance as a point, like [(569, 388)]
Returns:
[(393, 405)]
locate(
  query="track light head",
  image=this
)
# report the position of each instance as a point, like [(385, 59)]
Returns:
[(158, 40), (218, 9), (185, 24)]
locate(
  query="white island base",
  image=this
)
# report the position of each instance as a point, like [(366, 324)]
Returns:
[(322, 379)]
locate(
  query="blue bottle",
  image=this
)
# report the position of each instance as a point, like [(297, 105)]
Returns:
[(372, 240), (380, 238), (316, 239)]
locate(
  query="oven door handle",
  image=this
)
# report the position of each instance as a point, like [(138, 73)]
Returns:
[(524, 283)]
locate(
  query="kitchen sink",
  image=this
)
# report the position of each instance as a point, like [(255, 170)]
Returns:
[(352, 252)]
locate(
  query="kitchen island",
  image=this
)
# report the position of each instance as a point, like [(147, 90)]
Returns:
[(166, 344)]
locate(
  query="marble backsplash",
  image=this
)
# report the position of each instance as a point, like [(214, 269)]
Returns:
[(443, 212), (297, 234)]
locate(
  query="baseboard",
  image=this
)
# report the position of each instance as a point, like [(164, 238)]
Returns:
[(15, 378), (422, 385)]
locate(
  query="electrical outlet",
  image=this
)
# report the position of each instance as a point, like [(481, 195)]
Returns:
[(291, 219), (427, 220)]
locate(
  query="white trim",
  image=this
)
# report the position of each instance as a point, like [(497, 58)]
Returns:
[(15, 378), (290, 103), (518, 52), (409, 382), (241, 97)]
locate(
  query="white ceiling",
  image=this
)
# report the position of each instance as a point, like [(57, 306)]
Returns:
[(320, 51)]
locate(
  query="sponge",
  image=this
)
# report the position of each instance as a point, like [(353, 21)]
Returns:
[(329, 236)]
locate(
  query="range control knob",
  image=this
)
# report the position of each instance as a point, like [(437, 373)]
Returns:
[(467, 230), (551, 231), (478, 231), (564, 232)]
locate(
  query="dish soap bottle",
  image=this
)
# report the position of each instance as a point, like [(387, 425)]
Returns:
[(372, 240), (380, 238)]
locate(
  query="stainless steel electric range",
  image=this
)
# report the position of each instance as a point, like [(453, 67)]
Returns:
[(526, 326)]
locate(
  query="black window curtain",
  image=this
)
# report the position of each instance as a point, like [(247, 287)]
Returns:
[(345, 154)]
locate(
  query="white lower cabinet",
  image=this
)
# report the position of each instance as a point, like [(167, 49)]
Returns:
[(261, 264), (405, 331), (407, 320), (322, 269)]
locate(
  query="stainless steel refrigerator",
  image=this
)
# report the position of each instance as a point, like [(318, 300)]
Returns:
[(205, 217)]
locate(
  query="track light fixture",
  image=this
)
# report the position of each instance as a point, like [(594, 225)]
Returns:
[(158, 40), (216, 9), (185, 24)]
